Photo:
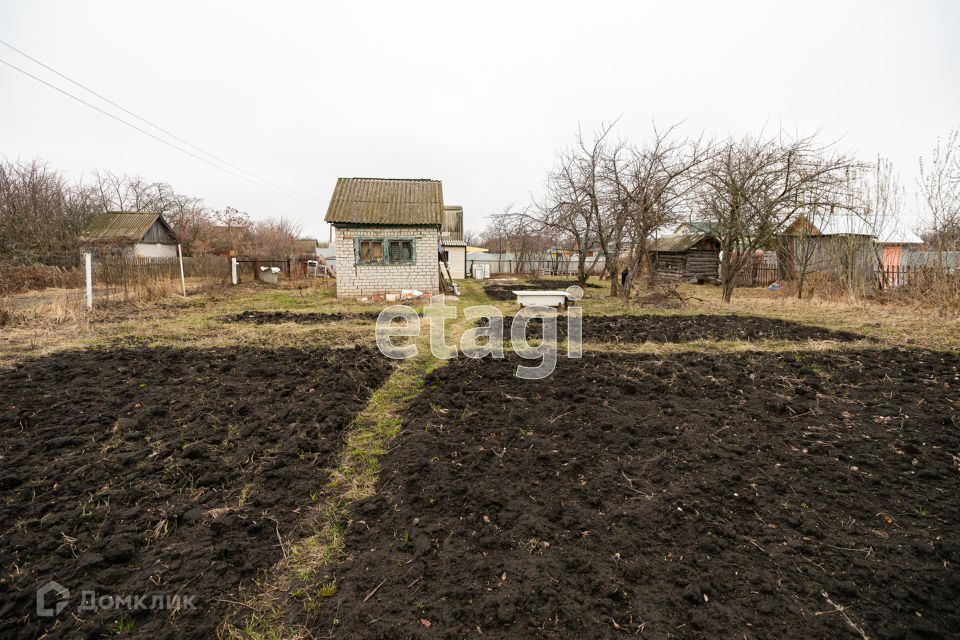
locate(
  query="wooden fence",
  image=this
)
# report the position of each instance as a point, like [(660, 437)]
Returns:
[(562, 267), (112, 270), (904, 275)]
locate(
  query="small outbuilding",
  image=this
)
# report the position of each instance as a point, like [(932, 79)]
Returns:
[(455, 253), (387, 235), (452, 247), (686, 255), (133, 234)]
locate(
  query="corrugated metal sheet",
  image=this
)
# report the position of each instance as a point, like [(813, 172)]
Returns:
[(930, 258), (386, 201), (678, 243), (120, 226), (448, 242)]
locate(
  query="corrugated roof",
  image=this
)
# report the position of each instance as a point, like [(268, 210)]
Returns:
[(677, 243), (114, 226), (447, 242), (849, 224), (386, 201), (306, 245)]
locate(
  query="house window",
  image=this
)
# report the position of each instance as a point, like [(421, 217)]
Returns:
[(373, 251), (401, 251)]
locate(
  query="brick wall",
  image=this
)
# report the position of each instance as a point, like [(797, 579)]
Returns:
[(355, 280)]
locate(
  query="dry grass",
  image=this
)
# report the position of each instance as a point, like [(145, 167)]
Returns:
[(16, 279), (58, 320)]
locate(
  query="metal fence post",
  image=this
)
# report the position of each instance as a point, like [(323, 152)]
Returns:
[(183, 280), (88, 264)]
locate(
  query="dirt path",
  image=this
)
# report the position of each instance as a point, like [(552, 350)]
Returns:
[(269, 609)]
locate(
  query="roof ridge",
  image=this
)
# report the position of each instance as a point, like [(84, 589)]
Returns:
[(394, 179)]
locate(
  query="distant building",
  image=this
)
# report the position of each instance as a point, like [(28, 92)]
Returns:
[(387, 234), (306, 248), (129, 233), (846, 246), (693, 254)]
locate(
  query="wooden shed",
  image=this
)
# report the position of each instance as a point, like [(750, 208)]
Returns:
[(453, 250), (685, 256), (131, 233)]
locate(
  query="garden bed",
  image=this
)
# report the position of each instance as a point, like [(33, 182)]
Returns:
[(792, 495), (503, 291), (162, 472), (280, 317), (628, 329)]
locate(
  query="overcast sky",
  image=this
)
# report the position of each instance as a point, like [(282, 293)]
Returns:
[(478, 95)]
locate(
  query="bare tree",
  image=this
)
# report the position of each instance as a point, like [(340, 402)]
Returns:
[(520, 234), (753, 187), (575, 203), (880, 209), (801, 252), (940, 188), (41, 214), (274, 238), (651, 186)]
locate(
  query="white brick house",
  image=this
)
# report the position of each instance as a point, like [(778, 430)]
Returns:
[(387, 235)]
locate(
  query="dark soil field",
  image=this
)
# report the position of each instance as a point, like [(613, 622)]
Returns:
[(662, 329), (795, 495), (162, 472), (279, 317), (503, 291)]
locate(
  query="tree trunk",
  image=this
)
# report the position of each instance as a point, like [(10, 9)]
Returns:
[(727, 275), (727, 290), (615, 280)]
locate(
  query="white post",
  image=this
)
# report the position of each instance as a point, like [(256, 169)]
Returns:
[(233, 269), (87, 263), (183, 281)]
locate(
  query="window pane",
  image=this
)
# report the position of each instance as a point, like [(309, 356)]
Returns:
[(407, 251), (394, 251), (371, 251)]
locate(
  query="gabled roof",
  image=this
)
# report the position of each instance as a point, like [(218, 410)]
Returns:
[(849, 224), (677, 243), (121, 226), (384, 201), (307, 245)]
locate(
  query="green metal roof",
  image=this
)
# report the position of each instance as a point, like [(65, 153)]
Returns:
[(121, 226), (385, 201)]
